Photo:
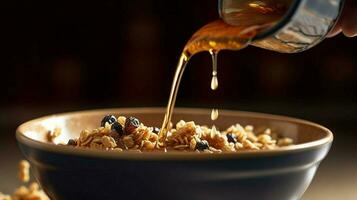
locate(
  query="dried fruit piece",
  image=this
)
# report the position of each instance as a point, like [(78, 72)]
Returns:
[(202, 145), (155, 130), (117, 127), (108, 118), (231, 138), (72, 142), (131, 124)]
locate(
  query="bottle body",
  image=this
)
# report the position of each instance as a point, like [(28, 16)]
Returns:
[(305, 23)]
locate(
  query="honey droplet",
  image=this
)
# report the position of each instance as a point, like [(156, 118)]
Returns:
[(214, 83), (214, 114)]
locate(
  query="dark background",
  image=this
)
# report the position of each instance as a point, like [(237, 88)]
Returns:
[(62, 56)]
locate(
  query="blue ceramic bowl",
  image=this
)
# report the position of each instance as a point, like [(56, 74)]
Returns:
[(67, 173)]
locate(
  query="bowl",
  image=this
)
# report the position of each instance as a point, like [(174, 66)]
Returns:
[(68, 173)]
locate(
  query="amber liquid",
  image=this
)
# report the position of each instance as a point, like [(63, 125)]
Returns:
[(251, 18)]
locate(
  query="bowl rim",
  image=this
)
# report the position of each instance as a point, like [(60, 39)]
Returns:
[(128, 155)]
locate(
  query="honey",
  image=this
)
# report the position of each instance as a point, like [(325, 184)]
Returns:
[(249, 18)]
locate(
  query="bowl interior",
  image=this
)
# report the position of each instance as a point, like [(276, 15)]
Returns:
[(71, 124)]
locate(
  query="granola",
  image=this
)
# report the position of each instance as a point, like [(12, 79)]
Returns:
[(123, 133), (24, 171), (52, 135), (30, 192)]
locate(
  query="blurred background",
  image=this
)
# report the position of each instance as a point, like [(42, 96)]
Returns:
[(61, 56)]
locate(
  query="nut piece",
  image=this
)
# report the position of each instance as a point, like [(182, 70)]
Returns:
[(249, 128), (84, 134), (24, 171), (121, 120), (265, 139), (285, 142), (34, 187), (193, 144), (31, 193), (85, 137), (108, 142), (249, 145), (4, 196), (128, 141), (149, 145), (52, 135), (267, 131)]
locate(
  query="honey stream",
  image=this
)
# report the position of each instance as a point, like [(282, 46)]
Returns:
[(252, 18)]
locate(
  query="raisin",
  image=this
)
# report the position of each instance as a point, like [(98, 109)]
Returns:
[(72, 142), (155, 130), (202, 145), (108, 118), (131, 123), (117, 127), (231, 138)]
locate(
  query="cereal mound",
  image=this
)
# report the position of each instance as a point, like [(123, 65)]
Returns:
[(123, 133)]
